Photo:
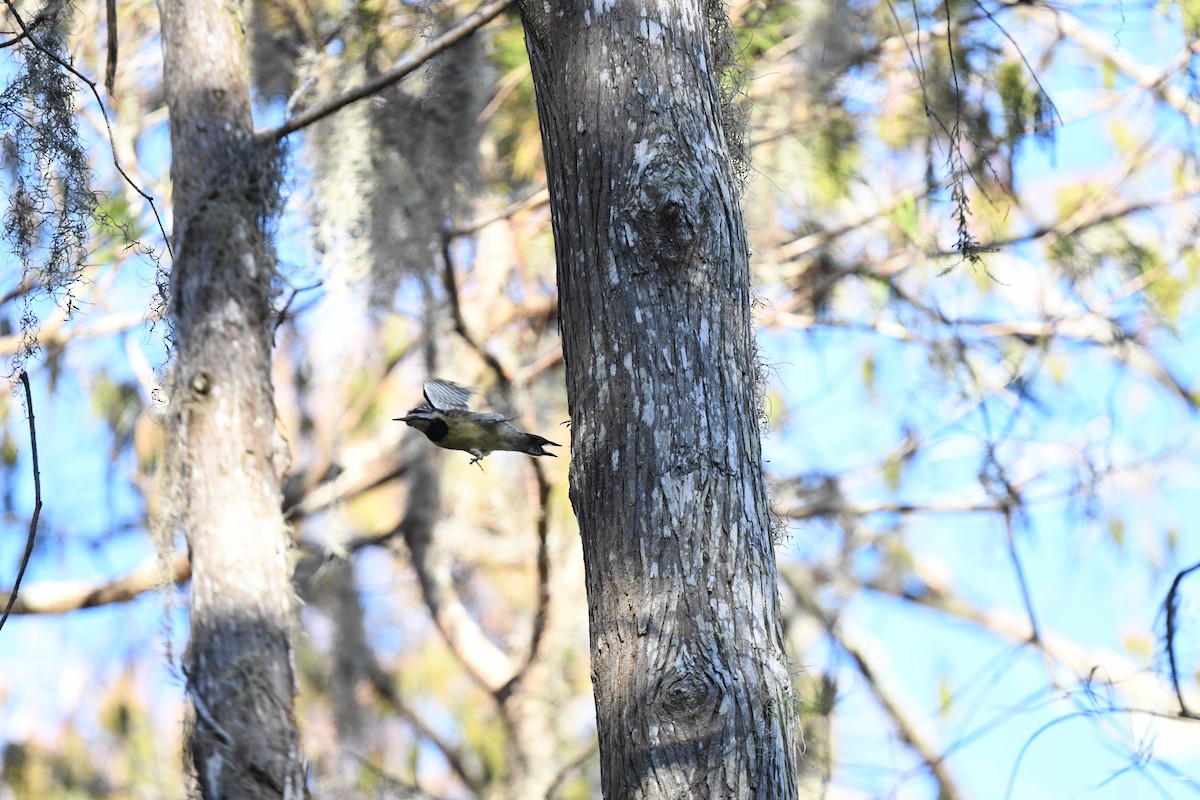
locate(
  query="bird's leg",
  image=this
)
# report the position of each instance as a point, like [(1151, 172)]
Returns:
[(478, 457)]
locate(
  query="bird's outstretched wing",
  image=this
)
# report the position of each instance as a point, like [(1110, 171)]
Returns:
[(446, 396)]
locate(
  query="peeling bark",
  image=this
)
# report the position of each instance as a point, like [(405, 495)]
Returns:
[(693, 693), (227, 459)]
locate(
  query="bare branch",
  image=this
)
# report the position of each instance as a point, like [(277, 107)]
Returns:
[(541, 612), (1078, 222), (455, 756), (1170, 609), (59, 335), (536, 200), (28, 283), (1102, 46), (390, 785), (447, 40), (460, 325), (37, 500), (62, 597), (1142, 687), (484, 661), (110, 69), (362, 468), (802, 511), (24, 34), (920, 741)]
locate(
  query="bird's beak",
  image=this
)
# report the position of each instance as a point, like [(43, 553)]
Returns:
[(405, 418)]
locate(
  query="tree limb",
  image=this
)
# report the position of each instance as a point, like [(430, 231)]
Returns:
[(484, 661), (61, 597), (462, 30), (1141, 686), (37, 497), (1170, 609), (921, 742), (460, 325), (542, 608)]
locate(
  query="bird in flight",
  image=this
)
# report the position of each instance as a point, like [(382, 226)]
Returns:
[(447, 421)]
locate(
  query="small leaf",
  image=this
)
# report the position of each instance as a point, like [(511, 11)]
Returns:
[(945, 697), (892, 469), (868, 375), (1116, 532), (1140, 645)]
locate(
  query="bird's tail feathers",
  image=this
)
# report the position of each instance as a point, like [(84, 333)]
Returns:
[(536, 445)]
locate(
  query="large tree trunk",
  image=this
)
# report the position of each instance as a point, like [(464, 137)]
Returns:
[(227, 459), (693, 694)]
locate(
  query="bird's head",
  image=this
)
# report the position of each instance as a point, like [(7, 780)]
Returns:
[(427, 421), (419, 417)]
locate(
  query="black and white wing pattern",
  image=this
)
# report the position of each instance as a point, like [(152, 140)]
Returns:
[(446, 396)]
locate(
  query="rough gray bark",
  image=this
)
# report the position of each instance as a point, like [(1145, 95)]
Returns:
[(693, 694), (227, 457)]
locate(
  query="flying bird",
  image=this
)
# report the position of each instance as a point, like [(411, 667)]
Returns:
[(448, 422)]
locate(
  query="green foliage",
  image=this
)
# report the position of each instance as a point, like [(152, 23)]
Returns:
[(1164, 292), (487, 738), (514, 124), (893, 471), (67, 772), (836, 154), (119, 404), (8, 450), (764, 26), (1189, 15), (945, 697), (868, 375), (1116, 531), (906, 216), (1026, 108)]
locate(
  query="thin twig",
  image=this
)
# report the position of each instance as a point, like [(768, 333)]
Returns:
[(1022, 581), (1028, 67), (28, 283), (37, 501), (539, 198), (542, 609), (103, 113), (20, 37), (911, 733), (460, 325), (444, 42), (110, 69), (1171, 606), (571, 765), (205, 716), (455, 756), (282, 316), (390, 783)]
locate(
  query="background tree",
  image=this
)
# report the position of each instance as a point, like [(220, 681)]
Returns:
[(222, 483), (985, 473)]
